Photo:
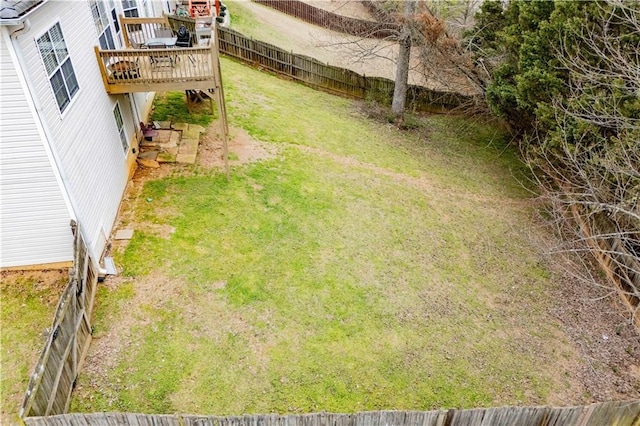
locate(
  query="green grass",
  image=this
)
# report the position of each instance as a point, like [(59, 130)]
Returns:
[(173, 106), (26, 310), (362, 268)]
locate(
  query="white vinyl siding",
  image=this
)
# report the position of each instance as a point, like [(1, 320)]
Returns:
[(85, 139), (34, 218), (57, 62)]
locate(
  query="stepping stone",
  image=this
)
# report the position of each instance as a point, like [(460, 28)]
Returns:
[(164, 136), (148, 144), (148, 155), (196, 128), (124, 234), (191, 134), (180, 126), (166, 157), (189, 146), (164, 124), (186, 158), (148, 163), (175, 138)]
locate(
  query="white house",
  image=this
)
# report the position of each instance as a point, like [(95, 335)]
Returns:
[(67, 148)]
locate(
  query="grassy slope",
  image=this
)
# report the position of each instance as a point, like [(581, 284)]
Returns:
[(363, 268)]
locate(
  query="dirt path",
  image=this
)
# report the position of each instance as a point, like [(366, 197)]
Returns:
[(364, 56), (350, 8)]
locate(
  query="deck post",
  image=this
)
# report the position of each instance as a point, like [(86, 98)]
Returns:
[(103, 69), (222, 110)]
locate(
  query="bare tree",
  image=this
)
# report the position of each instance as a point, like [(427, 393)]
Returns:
[(591, 162), (404, 56)]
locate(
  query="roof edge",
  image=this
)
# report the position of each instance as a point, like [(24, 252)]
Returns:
[(20, 19)]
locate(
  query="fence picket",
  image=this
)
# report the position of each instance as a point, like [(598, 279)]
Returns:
[(333, 79), (620, 413)]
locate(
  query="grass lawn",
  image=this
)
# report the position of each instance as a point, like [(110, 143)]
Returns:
[(361, 268), (27, 303)]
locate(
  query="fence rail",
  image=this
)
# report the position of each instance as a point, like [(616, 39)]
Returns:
[(333, 21), (55, 374), (330, 78), (619, 413)]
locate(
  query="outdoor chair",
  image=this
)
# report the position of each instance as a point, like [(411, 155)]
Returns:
[(184, 37), (185, 40), (160, 59)]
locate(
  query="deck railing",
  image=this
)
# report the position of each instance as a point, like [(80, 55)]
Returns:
[(139, 70), (138, 30)]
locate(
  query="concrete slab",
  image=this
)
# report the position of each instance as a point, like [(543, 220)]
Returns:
[(164, 136), (186, 158), (196, 128), (165, 157), (148, 155), (180, 126), (124, 234), (173, 150), (188, 146), (191, 134), (175, 138), (164, 124)]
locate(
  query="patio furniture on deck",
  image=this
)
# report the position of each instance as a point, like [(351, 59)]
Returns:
[(184, 38), (161, 58), (164, 33), (124, 70)]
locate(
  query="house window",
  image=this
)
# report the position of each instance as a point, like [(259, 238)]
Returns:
[(120, 124), (57, 62), (101, 21), (130, 8)]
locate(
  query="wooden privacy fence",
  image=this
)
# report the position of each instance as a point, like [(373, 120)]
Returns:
[(333, 21), (330, 78), (618, 257), (619, 413), (55, 374)]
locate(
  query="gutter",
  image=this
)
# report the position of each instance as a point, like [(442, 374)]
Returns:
[(21, 19)]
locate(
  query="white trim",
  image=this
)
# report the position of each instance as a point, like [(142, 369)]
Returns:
[(123, 136), (62, 114), (18, 61)]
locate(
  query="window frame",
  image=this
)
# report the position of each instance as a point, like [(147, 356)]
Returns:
[(127, 8), (63, 72), (121, 127), (115, 23), (102, 24)]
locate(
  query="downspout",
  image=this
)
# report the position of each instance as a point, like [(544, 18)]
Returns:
[(43, 130)]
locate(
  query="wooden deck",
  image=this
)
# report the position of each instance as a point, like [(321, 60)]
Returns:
[(158, 70)]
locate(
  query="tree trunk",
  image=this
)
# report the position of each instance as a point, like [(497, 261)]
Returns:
[(402, 67)]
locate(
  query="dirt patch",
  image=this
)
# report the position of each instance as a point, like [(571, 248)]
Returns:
[(107, 349), (599, 327), (54, 281), (243, 148)]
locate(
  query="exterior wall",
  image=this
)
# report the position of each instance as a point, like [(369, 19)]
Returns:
[(84, 137), (34, 217)]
